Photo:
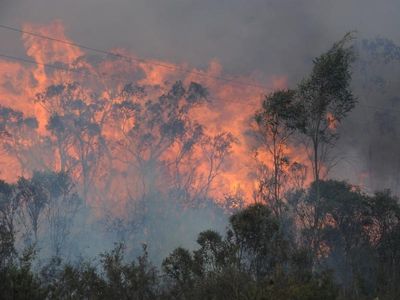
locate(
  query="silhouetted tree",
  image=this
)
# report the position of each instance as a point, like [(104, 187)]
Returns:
[(8, 209), (276, 124), (34, 198), (325, 98), (77, 129)]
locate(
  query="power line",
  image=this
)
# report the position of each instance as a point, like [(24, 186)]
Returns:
[(64, 69), (139, 60), (57, 67)]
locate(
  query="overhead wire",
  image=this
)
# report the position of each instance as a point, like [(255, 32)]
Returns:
[(57, 67), (139, 60), (65, 69), (131, 59)]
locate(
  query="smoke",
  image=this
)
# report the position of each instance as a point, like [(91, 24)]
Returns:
[(270, 42), (246, 37), (370, 136)]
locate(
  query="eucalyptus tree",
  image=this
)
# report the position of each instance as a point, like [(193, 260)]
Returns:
[(325, 99), (77, 132), (276, 123)]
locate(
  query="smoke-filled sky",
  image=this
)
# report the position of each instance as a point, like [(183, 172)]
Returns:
[(268, 36)]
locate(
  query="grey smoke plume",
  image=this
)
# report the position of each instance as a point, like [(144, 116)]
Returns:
[(272, 37)]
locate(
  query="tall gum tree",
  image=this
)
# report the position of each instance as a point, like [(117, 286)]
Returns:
[(325, 99)]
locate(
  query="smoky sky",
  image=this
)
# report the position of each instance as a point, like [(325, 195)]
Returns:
[(274, 37)]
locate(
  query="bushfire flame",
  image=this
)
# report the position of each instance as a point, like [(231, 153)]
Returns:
[(230, 110)]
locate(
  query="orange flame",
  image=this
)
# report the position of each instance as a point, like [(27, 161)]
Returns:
[(231, 108)]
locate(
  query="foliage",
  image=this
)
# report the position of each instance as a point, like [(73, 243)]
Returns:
[(256, 259)]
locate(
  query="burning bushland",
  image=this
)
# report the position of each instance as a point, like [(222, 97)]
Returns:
[(109, 157)]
